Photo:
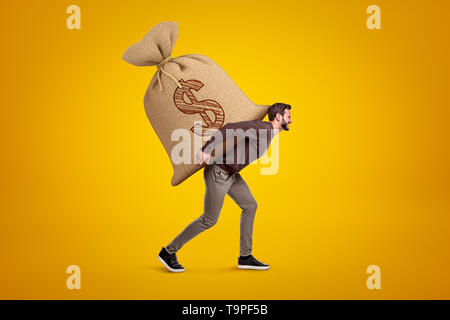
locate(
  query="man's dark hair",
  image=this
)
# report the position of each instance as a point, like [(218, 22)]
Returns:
[(277, 108)]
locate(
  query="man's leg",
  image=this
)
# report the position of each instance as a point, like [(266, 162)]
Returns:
[(241, 194), (216, 187)]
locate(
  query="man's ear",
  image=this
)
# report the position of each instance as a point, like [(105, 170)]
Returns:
[(279, 117)]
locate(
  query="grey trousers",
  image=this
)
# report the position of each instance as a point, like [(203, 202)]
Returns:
[(218, 183)]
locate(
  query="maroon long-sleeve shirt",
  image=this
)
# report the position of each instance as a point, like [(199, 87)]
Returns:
[(247, 141)]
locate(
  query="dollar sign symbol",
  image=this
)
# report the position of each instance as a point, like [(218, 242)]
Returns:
[(199, 107)]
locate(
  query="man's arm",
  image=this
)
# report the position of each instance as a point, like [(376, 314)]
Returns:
[(204, 156), (221, 134), (220, 137)]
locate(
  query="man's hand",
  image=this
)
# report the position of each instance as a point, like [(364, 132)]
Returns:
[(202, 158)]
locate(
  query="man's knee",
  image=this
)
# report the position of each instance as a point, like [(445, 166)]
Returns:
[(251, 206), (208, 221)]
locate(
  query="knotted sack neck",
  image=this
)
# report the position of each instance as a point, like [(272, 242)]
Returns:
[(159, 66)]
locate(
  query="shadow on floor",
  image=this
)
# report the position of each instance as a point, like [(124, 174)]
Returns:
[(221, 270)]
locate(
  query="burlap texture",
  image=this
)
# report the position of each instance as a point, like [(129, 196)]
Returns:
[(204, 92)]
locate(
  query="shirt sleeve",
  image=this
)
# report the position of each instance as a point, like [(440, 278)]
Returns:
[(216, 138), (221, 134)]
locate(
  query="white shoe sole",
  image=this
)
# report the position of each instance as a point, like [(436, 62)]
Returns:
[(253, 267), (169, 268)]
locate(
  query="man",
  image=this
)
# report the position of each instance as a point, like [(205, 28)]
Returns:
[(222, 177)]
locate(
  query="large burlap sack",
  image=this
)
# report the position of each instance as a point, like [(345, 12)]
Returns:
[(185, 89)]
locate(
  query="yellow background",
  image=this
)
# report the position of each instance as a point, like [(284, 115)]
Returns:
[(364, 170)]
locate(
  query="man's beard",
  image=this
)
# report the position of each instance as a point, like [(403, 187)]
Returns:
[(284, 125)]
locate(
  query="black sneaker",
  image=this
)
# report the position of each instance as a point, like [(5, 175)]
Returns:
[(249, 262), (170, 261)]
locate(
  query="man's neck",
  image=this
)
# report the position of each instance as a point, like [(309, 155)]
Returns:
[(276, 126)]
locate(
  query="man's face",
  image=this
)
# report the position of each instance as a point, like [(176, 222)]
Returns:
[(286, 119)]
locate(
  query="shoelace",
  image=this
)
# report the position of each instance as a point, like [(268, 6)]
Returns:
[(173, 259), (253, 259)]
